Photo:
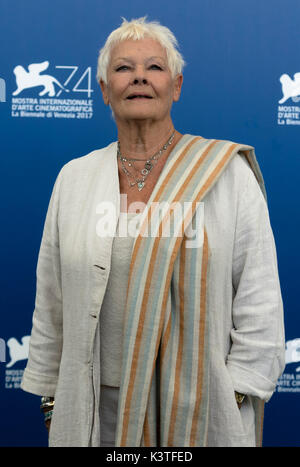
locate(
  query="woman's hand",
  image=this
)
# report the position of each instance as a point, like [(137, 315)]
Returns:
[(239, 398), (47, 424)]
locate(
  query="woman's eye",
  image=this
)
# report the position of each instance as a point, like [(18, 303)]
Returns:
[(126, 67), (155, 67), (123, 67)]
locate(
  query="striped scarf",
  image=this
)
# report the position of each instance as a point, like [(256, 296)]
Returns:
[(165, 383)]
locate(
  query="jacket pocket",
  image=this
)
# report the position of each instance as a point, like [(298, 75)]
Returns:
[(229, 426)]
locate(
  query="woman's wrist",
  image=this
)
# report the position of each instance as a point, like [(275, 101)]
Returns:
[(47, 406), (47, 403)]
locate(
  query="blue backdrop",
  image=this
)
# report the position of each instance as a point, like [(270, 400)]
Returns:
[(242, 59)]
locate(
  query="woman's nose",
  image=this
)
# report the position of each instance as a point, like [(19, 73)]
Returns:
[(139, 76), (140, 81)]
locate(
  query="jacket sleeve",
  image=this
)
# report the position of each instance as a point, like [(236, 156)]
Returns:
[(257, 355), (41, 373)]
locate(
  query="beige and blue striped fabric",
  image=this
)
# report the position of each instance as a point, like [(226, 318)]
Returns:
[(165, 382)]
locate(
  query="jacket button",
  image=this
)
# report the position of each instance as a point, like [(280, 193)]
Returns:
[(100, 267)]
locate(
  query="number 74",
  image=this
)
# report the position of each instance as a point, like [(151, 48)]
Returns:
[(86, 73)]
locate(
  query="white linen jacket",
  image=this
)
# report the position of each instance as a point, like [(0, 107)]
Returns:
[(246, 330)]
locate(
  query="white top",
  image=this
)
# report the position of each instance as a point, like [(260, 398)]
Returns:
[(113, 306)]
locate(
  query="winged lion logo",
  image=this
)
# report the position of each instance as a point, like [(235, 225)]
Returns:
[(290, 87), (32, 78)]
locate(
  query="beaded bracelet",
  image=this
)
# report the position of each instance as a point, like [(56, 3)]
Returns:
[(48, 415)]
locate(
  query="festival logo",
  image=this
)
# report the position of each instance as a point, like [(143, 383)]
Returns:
[(18, 352), (290, 87), (290, 379), (52, 94), (33, 78)]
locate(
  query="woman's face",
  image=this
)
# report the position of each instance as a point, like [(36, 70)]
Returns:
[(139, 82)]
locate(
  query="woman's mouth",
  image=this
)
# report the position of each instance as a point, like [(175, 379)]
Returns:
[(138, 96)]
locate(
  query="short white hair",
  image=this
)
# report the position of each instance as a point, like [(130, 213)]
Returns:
[(138, 29)]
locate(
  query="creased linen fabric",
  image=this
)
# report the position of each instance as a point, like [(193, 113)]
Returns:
[(234, 350)]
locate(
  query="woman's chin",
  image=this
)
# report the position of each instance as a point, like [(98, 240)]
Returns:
[(139, 115)]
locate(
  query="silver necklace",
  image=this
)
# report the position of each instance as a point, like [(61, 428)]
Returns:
[(149, 164)]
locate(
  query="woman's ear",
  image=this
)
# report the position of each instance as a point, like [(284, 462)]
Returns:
[(103, 87), (177, 87)]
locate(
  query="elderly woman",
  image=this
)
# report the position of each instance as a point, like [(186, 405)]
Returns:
[(170, 334)]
